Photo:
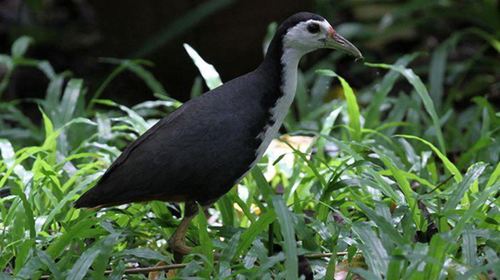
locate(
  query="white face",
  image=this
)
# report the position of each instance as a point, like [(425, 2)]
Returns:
[(308, 36)]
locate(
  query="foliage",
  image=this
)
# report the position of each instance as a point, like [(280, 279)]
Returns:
[(398, 183)]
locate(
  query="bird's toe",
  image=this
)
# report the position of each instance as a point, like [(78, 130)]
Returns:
[(179, 246)]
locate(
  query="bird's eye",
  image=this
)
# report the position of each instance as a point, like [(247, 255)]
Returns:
[(313, 27)]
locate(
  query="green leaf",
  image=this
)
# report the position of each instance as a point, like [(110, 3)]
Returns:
[(420, 88), (207, 71), (231, 249), (9, 159), (385, 225), (102, 261), (262, 184), (288, 232), (458, 193), (50, 264), (50, 143), (494, 176), (58, 245), (5, 276), (469, 246), (30, 268), (382, 89), (135, 67), (53, 93), (225, 205), (254, 230), (30, 219), (372, 249), (327, 129), (410, 195), (473, 209), (145, 253), (437, 68), (22, 156), (206, 246), (352, 104), (82, 265), (69, 101), (438, 249), (20, 46), (447, 163), (395, 268)]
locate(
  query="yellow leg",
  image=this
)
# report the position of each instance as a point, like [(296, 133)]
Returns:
[(177, 241)]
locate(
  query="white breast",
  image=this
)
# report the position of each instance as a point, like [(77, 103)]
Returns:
[(290, 61)]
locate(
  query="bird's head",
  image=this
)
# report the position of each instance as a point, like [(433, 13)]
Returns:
[(306, 32)]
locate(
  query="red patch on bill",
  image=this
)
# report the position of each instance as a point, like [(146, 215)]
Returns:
[(331, 31)]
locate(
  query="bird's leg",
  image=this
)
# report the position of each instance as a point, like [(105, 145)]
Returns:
[(177, 241)]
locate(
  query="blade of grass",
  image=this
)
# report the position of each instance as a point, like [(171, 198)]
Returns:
[(82, 265), (58, 245), (105, 252), (9, 65), (20, 46), (206, 246), (410, 195), (437, 68), (352, 104), (145, 253), (225, 205), (254, 230), (494, 176), (447, 163), (436, 256), (469, 246), (69, 101), (458, 193), (207, 71), (421, 90), (262, 184), (372, 248), (327, 129), (382, 90), (288, 232), (136, 66), (9, 159), (120, 68), (385, 225), (473, 209), (395, 267)]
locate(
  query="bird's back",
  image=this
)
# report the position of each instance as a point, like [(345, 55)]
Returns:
[(196, 153)]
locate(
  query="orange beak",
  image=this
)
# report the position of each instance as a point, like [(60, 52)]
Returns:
[(335, 41)]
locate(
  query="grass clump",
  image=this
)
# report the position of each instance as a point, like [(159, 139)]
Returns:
[(380, 184)]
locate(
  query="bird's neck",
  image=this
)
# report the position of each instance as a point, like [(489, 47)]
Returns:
[(289, 67), (280, 70)]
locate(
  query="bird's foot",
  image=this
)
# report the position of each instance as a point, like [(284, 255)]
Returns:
[(179, 246)]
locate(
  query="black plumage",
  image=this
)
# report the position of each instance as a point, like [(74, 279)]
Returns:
[(197, 153)]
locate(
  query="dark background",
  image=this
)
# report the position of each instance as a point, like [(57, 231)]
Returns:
[(73, 35)]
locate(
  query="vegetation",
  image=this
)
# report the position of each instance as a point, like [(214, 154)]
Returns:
[(392, 180)]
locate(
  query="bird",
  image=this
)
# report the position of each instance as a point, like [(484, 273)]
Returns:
[(200, 151)]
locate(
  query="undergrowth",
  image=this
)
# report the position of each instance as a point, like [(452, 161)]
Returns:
[(375, 183)]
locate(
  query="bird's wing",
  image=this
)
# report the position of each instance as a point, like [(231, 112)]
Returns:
[(100, 195), (143, 138), (198, 152)]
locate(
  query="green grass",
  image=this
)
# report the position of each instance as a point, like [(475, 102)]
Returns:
[(393, 186)]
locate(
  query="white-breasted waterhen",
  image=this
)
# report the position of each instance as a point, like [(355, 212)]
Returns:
[(197, 153)]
